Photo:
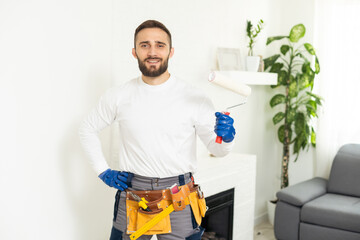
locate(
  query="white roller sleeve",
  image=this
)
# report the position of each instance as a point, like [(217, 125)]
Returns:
[(230, 84)]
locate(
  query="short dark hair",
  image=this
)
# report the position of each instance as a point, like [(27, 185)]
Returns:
[(152, 24)]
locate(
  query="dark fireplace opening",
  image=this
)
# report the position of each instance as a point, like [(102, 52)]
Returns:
[(218, 221)]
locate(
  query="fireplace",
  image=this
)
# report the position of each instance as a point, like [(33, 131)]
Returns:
[(234, 171), (218, 221)]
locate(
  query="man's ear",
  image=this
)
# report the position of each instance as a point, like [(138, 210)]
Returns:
[(134, 53), (171, 52)]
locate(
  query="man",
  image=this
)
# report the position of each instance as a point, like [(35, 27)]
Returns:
[(159, 117)]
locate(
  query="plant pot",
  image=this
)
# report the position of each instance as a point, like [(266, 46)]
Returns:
[(252, 63), (271, 205)]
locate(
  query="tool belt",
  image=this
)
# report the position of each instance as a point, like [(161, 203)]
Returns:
[(157, 202)]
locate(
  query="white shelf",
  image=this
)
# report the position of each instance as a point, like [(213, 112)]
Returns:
[(251, 78)]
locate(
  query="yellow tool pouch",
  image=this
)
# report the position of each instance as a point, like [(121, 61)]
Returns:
[(202, 206), (163, 226), (180, 199), (137, 217), (198, 204), (158, 200)]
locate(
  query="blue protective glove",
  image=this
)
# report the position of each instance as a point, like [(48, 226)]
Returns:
[(224, 127), (116, 179)]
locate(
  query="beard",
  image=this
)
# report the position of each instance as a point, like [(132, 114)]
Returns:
[(152, 71)]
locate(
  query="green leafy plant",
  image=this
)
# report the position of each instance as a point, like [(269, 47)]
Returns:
[(252, 33), (296, 76)]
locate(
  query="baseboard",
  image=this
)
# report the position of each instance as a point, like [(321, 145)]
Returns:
[(261, 219)]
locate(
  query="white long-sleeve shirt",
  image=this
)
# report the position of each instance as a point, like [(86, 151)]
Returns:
[(158, 125)]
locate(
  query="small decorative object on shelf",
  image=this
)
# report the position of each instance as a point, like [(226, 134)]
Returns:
[(253, 62), (228, 59), (261, 64)]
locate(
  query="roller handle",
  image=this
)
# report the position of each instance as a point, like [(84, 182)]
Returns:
[(218, 138)]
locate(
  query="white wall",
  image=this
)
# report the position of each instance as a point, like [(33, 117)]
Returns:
[(58, 57), (55, 62)]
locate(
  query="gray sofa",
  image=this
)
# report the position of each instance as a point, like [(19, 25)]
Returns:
[(320, 209)]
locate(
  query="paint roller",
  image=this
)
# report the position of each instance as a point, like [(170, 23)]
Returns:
[(232, 85)]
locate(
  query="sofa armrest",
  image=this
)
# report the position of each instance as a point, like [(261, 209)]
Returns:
[(303, 192)]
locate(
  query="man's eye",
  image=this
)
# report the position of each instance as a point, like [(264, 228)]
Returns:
[(161, 45), (144, 45)]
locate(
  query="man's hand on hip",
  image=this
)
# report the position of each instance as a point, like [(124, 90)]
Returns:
[(116, 179), (224, 127)]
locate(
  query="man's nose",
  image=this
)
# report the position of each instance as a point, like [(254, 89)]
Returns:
[(152, 51)]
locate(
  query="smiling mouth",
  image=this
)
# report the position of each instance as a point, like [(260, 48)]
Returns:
[(153, 61)]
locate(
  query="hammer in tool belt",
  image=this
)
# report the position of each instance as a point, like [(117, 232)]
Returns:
[(142, 201)]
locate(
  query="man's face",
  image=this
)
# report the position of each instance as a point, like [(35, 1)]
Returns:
[(152, 49)]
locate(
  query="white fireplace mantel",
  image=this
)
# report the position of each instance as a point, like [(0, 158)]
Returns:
[(236, 171)]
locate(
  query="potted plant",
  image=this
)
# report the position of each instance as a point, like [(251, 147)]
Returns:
[(300, 105), (252, 62)]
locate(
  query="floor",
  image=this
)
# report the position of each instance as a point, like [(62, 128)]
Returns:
[(264, 231)]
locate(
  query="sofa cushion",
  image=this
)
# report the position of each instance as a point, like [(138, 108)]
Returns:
[(315, 232), (344, 177), (333, 210)]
